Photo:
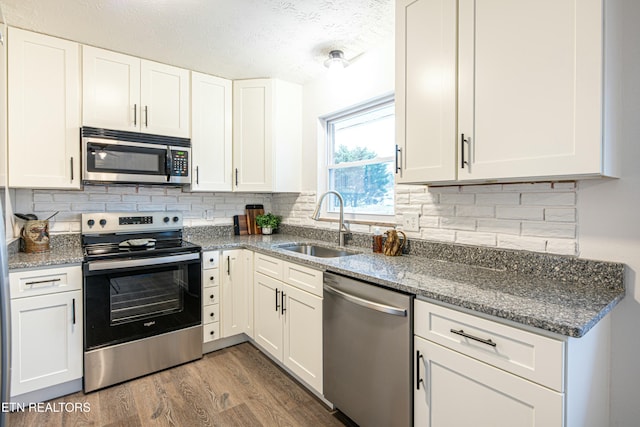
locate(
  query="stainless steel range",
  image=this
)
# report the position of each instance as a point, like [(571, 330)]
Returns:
[(142, 296)]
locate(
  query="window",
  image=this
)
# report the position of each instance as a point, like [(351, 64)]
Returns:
[(360, 159)]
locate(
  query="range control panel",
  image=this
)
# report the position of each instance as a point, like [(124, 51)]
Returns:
[(124, 222)]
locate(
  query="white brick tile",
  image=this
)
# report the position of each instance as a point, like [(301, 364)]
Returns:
[(438, 234), (150, 207), (178, 207), (527, 186), (457, 199), (565, 185), (562, 246), (402, 198), (189, 199), (502, 226), (458, 223), (485, 188), (548, 229), (91, 189), (475, 238), (519, 212), (521, 243), (475, 211), (429, 221), (438, 210), (125, 189), (445, 189), (164, 199), (70, 197), (122, 207), (402, 189), (428, 198), (43, 197), (88, 207), (48, 207), (548, 199), (498, 198), (105, 197), (560, 214), (136, 198)]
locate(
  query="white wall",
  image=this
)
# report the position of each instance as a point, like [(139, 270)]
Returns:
[(608, 211)]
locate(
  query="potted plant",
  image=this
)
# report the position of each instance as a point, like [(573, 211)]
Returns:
[(268, 222)]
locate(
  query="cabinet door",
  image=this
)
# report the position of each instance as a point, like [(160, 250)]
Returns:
[(110, 90), (456, 390), (530, 88), (252, 135), (211, 128), (46, 341), (165, 100), (303, 335), (234, 293), (247, 261), (44, 111), (426, 37), (267, 316)]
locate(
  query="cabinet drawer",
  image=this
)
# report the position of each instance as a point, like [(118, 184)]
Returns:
[(269, 266), (211, 295), (304, 278), (529, 355), (210, 313), (210, 277), (26, 283), (210, 259), (211, 331)]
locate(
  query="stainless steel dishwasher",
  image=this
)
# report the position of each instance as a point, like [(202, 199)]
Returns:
[(367, 340)]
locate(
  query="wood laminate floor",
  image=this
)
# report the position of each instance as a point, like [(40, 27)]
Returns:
[(237, 386)]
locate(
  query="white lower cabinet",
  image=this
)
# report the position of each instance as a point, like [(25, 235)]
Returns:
[(210, 296), (46, 328), (288, 324), (457, 390), (471, 370), (237, 295)]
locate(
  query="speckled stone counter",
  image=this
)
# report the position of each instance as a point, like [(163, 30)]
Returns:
[(565, 305), (65, 249), (564, 295)]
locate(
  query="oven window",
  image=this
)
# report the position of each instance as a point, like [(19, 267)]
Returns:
[(143, 296)]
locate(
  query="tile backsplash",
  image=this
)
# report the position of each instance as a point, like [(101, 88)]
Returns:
[(540, 217)]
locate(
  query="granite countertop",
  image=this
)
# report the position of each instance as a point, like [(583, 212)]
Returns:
[(568, 307)]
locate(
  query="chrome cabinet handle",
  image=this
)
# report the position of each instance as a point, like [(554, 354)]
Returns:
[(146, 116), (135, 115), (471, 337), (42, 281), (398, 151), (236, 177), (73, 308), (418, 379), (72, 169), (228, 266), (197, 175), (282, 296), (277, 306), (462, 142)]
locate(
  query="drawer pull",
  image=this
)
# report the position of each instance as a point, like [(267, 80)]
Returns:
[(37, 282), (418, 379), (471, 337)]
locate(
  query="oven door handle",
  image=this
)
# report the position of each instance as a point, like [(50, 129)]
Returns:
[(140, 262)]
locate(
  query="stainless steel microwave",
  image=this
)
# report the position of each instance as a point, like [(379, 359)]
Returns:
[(111, 156)]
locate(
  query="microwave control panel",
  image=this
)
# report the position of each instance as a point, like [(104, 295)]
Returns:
[(180, 163)]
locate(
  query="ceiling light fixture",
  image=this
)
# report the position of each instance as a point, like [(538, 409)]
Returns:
[(336, 60)]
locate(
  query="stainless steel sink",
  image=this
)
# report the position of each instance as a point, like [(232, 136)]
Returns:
[(317, 251)]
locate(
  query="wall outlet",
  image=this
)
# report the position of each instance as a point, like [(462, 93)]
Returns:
[(411, 222)]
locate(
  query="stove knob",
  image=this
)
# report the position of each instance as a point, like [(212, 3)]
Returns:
[(176, 219), (90, 223), (103, 222), (166, 219)]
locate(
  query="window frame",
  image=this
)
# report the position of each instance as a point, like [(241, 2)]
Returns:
[(326, 155)]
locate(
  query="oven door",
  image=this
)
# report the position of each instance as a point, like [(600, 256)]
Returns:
[(130, 299), (119, 161)]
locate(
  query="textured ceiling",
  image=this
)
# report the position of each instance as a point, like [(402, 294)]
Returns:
[(235, 39)]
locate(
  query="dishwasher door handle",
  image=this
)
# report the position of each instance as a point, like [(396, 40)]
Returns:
[(366, 303)]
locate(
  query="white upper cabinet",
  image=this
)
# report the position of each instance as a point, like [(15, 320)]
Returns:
[(211, 137), (44, 111), (529, 90), (267, 135), (126, 93), (426, 38)]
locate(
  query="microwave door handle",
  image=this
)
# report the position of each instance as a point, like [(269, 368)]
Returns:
[(169, 164)]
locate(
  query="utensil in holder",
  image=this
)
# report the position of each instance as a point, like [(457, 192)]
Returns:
[(35, 236)]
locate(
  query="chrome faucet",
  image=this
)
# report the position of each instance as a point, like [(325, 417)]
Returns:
[(342, 227)]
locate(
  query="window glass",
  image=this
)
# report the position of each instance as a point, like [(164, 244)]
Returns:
[(361, 146)]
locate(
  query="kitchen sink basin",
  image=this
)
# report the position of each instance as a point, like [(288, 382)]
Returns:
[(317, 251)]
